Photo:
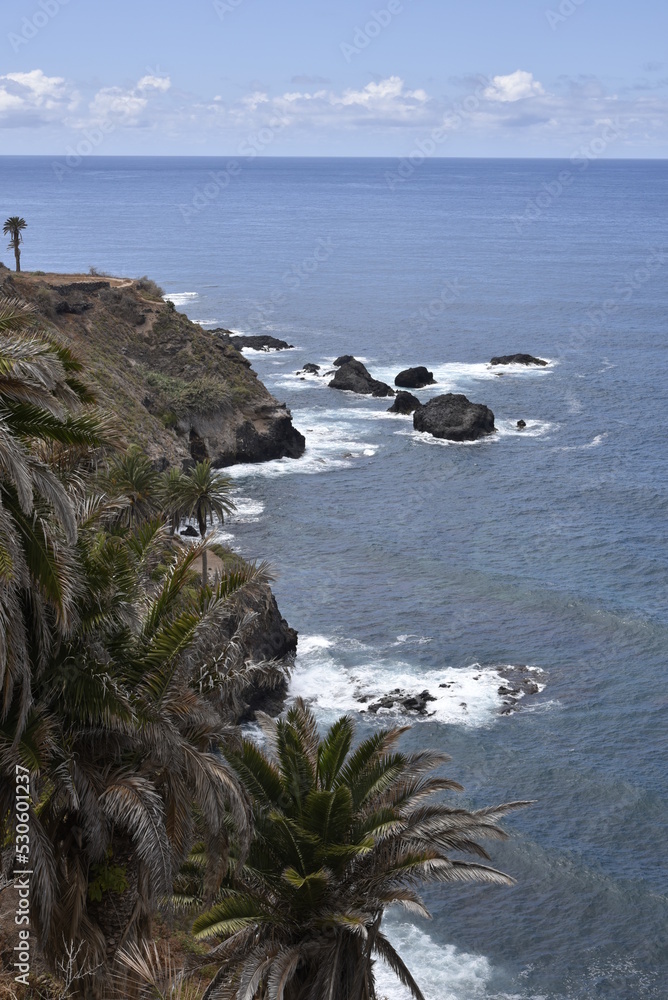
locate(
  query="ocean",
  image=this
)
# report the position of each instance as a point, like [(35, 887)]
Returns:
[(410, 563)]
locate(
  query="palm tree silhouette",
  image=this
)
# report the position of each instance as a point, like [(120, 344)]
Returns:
[(12, 228)]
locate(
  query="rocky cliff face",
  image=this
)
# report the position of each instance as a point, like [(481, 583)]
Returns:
[(177, 390)]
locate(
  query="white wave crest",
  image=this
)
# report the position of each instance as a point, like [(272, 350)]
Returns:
[(180, 298), (467, 696)]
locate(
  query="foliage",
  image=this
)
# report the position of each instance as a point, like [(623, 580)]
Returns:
[(341, 834), (13, 228)]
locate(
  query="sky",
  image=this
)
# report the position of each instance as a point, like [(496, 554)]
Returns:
[(535, 78)]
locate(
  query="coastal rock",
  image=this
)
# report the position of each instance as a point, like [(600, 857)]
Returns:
[(518, 359), (403, 701), (519, 682), (265, 434), (415, 378), (353, 377), (310, 369), (521, 424), (453, 417), (343, 360), (190, 532), (259, 343), (405, 403), (266, 639)]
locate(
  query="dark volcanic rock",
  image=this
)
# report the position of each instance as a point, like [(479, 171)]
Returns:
[(521, 424), (403, 701), (343, 360), (260, 343), (261, 440), (310, 369), (268, 639), (415, 378), (190, 532), (405, 403), (73, 308), (353, 377), (453, 417), (520, 682), (518, 359)]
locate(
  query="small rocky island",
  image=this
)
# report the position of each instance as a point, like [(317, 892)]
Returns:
[(405, 403), (519, 359), (453, 417), (352, 376), (262, 342), (415, 378)]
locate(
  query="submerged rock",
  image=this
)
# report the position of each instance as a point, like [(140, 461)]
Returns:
[(353, 377), (518, 359), (405, 403), (453, 417), (415, 378), (404, 701)]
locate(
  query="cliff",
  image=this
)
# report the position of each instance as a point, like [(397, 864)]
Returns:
[(178, 391)]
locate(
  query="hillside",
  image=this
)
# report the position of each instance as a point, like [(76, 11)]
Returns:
[(177, 390)]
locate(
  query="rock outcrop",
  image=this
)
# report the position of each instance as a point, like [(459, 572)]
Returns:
[(260, 342), (405, 403), (180, 392), (343, 360), (453, 417), (352, 376), (518, 359), (415, 378), (310, 369), (403, 701)]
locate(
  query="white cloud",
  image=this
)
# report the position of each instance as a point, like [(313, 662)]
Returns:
[(35, 97), (514, 87), (161, 83), (114, 102), (125, 105)]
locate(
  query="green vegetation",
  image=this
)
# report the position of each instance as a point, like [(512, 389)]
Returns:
[(178, 398), (13, 228), (122, 676)]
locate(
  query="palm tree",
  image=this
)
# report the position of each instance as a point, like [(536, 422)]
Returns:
[(13, 228), (340, 835), (200, 493), (123, 739), (133, 475), (43, 402)]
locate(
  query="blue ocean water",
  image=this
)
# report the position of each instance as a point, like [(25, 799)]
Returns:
[(409, 563)]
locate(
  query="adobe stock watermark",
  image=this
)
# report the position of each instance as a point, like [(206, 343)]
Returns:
[(427, 147), (204, 195), (580, 161), (378, 21), (624, 291), (93, 138), (22, 873), (31, 26), (292, 280), (224, 7), (564, 11)]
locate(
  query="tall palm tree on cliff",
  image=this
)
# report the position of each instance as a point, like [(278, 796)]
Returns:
[(341, 834), (13, 228), (200, 493)]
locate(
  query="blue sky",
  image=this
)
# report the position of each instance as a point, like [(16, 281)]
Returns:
[(339, 77)]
